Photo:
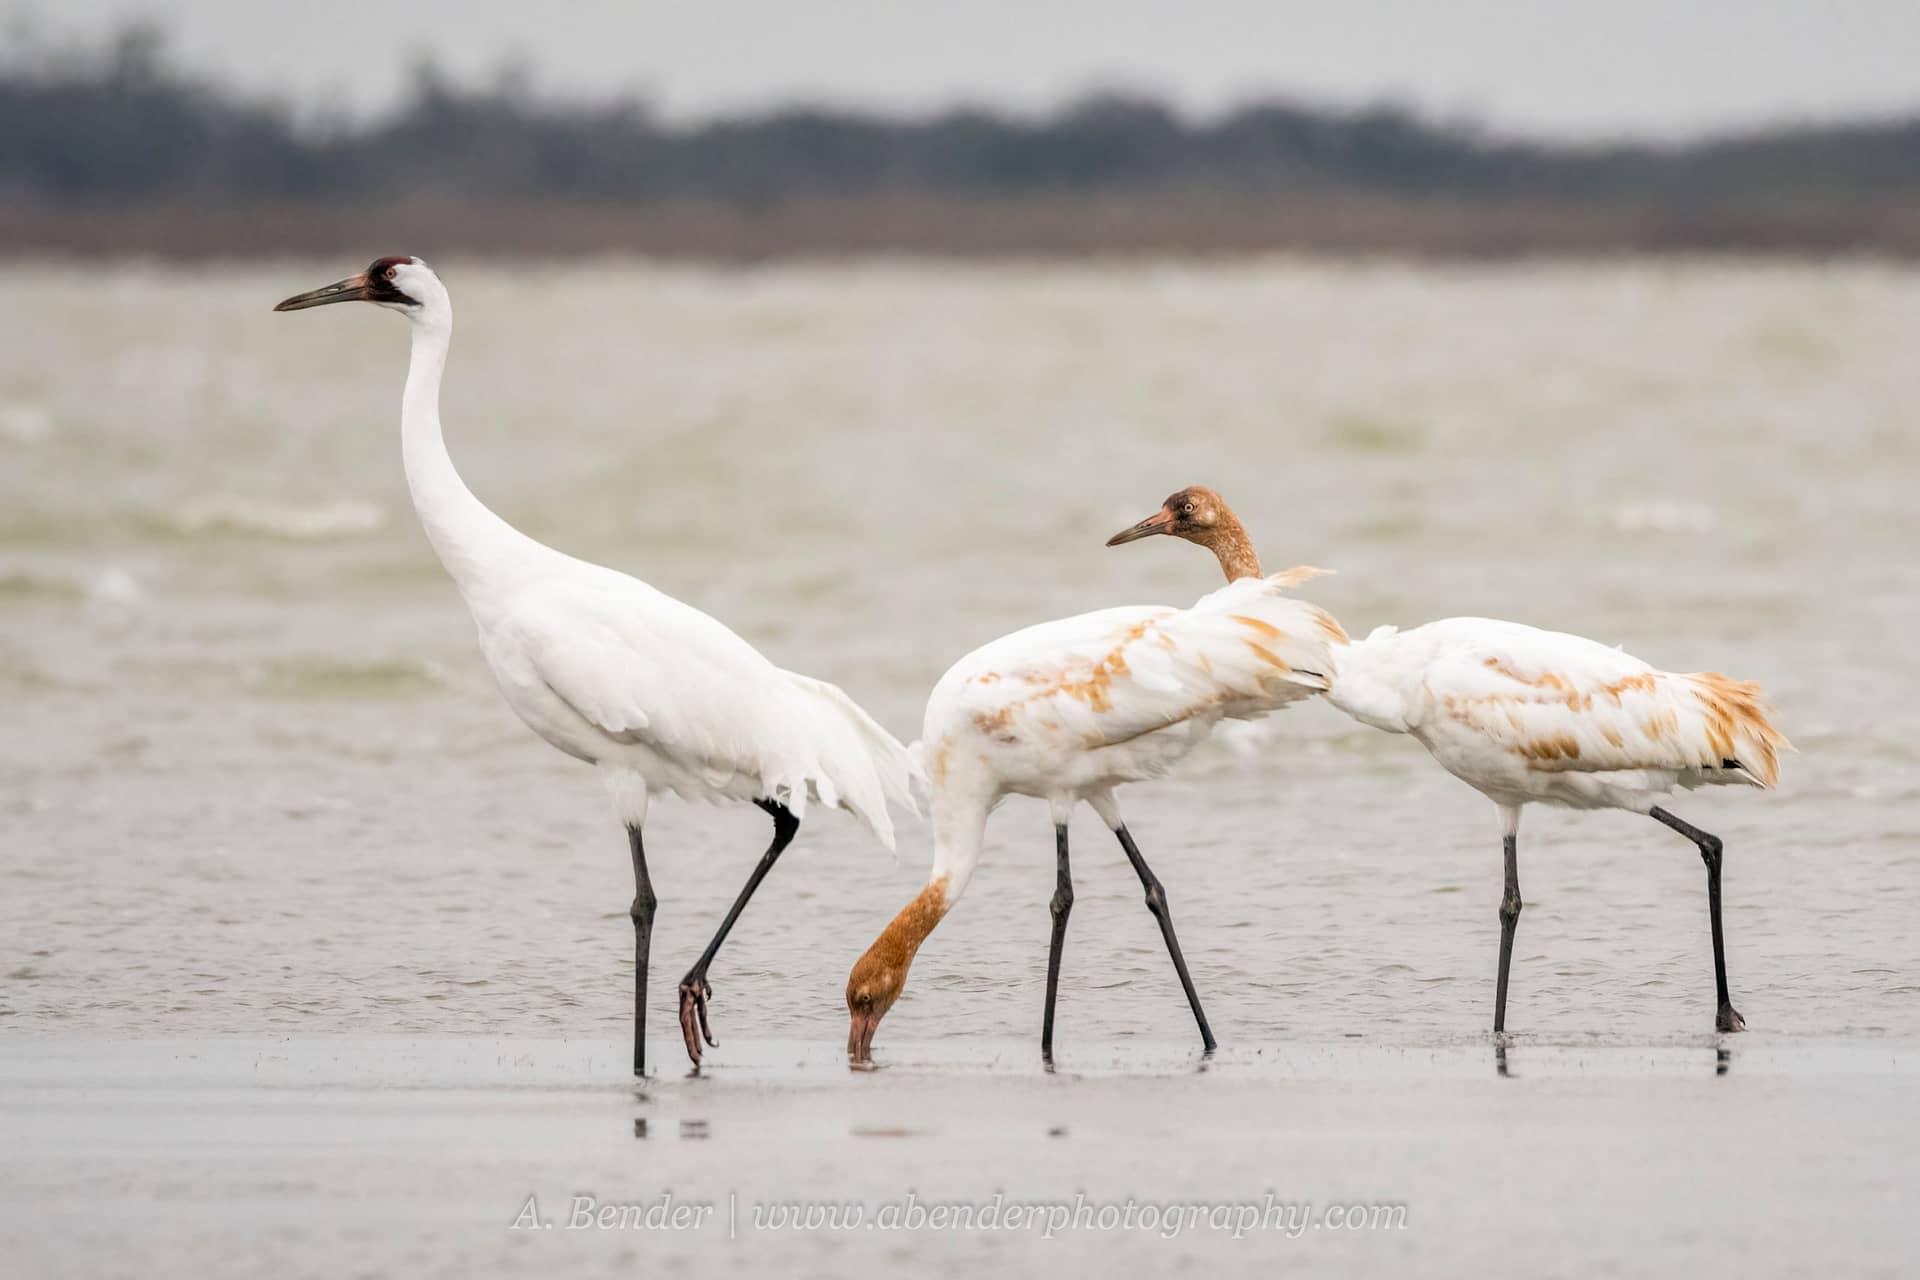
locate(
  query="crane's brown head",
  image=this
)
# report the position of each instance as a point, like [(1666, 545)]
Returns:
[(880, 975), (1189, 514), (875, 983), (1200, 515), (391, 282)]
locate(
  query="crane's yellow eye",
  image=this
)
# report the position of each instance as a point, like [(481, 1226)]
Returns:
[(1186, 508)]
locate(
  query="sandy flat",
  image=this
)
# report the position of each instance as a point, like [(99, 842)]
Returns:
[(418, 1157)]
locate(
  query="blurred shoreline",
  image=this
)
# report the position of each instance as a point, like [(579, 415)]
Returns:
[(116, 150), (961, 229)]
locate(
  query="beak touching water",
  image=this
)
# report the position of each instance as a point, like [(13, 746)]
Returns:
[(1160, 521), (860, 1038), (355, 288)]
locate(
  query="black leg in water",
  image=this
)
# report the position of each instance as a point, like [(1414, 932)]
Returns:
[(1510, 905), (1157, 903), (642, 913), (694, 988), (1726, 1018), (1061, 905)]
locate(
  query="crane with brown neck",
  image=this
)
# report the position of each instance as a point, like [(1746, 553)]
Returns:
[(1071, 710), (1524, 715)]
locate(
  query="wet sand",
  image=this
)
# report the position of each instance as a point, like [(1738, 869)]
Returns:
[(416, 1157)]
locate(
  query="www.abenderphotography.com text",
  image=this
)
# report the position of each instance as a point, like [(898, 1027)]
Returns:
[(1267, 1215)]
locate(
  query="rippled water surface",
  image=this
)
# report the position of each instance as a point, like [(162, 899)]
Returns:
[(255, 780)]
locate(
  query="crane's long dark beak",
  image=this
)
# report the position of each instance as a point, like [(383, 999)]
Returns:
[(1160, 521), (352, 289)]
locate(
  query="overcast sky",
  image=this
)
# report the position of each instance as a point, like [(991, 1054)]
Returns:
[(1546, 67)]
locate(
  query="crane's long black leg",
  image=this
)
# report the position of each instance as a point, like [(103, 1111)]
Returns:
[(1061, 905), (1157, 903), (694, 988), (1726, 1018), (642, 913), (1510, 905)]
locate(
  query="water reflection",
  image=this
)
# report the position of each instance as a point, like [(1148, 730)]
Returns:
[(1502, 1068)]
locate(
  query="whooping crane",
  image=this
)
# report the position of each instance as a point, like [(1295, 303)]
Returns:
[(652, 692), (1525, 715)]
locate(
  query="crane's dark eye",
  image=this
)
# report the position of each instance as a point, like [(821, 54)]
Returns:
[(392, 272)]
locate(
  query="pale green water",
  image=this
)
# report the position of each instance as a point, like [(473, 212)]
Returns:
[(255, 780)]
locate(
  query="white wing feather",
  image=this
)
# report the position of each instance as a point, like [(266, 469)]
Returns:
[(648, 672), (1105, 678), (1565, 703)]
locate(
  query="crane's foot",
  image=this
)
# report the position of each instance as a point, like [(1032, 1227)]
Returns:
[(1729, 1019), (694, 990)]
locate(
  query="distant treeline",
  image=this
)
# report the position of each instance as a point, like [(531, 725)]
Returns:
[(113, 149)]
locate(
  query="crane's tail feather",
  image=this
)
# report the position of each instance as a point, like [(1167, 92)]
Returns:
[(920, 772), (857, 765), (1738, 726)]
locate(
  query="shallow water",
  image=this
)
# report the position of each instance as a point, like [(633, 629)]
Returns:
[(256, 784), (256, 780)]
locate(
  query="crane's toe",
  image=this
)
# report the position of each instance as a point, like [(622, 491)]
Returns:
[(693, 1016), (1729, 1019)]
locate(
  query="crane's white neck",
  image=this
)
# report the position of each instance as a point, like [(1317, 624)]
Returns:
[(959, 828), (478, 548)]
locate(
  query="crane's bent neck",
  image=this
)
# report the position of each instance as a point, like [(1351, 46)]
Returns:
[(477, 547), (958, 831), (959, 828)]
